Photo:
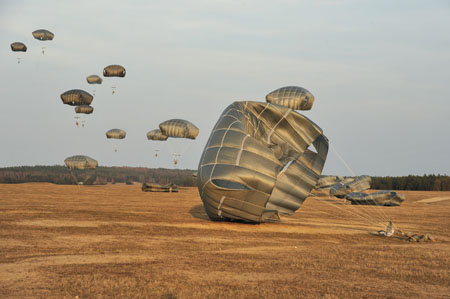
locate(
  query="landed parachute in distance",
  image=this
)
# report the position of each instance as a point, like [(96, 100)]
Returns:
[(85, 109), (80, 162), (294, 97), (257, 163), (348, 185), (179, 128), (114, 70), (94, 79), (116, 134), (380, 198), (156, 135), (43, 34), (18, 47), (76, 97)]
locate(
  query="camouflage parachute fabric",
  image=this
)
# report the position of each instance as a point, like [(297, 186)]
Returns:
[(114, 70), (294, 97), (43, 34), (116, 134), (80, 162), (380, 198), (18, 47), (94, 79), (85, 109), (179, 128), (256, 163), (156, 135), (76, 97), (152, 187)]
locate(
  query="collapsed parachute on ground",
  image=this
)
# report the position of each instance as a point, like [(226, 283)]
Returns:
[(380, 198), (116, 134), (85, 109), (94, 79), (18, 47), (156, 135), (294, 97), (43, 34), (357, 184), (328, 181), (257, 163), (76, 97), (80, 162), (179, 128), (152, 187), (114, 70)]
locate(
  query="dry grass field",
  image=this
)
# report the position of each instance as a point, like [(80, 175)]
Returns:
[(118, 242)]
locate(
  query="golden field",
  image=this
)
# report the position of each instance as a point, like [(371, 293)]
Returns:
[(116, 241)]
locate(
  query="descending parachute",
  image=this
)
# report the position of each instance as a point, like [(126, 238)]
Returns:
[(116, 134), (85, 109), (80, 162), (294, 97), (18, 47), (257, 163), (76, 97), (43, 34), (156, 135), (178, 128), (114, 70), (94, 79)]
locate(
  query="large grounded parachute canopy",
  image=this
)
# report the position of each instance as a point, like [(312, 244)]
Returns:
[(116, 134), (86, 109), (257, 163), (80, 162), (43, 34), (156, 135), (18, 47), (179, 128), (94, 79), (76, 97), (114, 70), (294, 97)]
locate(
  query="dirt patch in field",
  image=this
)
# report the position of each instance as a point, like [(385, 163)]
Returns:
[(116, 241)]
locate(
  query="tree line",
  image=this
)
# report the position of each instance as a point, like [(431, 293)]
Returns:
[(100, 176), (430, 182)]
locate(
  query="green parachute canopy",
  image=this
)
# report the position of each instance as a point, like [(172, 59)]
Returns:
[(156, 135), (294, 97), (114, 70), (80, 162), (94, 79), (76, 97), (258, 163), (179, 128), (116, 134), (18, 47), (43, 34), (85, 109)]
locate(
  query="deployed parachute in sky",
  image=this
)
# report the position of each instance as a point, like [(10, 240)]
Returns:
[(43, 35), (85, 109), (76, 97), (116, 134), (114, 70), (94, 79), (156, 135), (178, 128), (18, 47), (81, 162), (258, 164), (294, 97)]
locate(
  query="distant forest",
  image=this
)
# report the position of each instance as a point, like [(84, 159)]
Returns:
[(100, 176), (182, 177)]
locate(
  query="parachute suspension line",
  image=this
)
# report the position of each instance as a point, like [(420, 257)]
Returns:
[(379, 210), (342, 159), (368, 219), (73, 176)]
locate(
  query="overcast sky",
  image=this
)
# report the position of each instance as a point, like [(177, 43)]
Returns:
[(379, 70)]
